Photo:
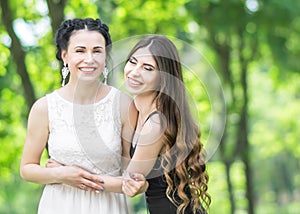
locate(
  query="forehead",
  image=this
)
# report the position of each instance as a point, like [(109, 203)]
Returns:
[(144, 54), (87, 37)]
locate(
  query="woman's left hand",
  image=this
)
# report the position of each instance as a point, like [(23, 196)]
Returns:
[(135, 185)]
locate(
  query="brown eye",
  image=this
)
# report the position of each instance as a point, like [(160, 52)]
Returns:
[(132, 61), (98, 51), (148, 68)]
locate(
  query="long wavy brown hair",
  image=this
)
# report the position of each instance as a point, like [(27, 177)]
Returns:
[(183, 158)]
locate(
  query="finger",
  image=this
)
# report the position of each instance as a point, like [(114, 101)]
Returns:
[(127, 189), (132, 183), (85, 188), (132, 186), (93, 186), (89, 188), (82, 186), (91, 181), (137, 176), (95, 178)]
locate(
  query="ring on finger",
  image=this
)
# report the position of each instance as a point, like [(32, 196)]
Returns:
[(82, 186)]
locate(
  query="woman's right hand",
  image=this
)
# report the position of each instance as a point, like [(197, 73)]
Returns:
[(135, 184), (76, 176)]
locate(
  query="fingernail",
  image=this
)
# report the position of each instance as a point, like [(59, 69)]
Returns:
[(101, 188), (101, 181), (97, 191)]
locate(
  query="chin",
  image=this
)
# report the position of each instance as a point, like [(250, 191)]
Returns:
[(132, 90), (87, 79)]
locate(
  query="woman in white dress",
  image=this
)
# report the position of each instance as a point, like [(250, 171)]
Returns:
[(85, 128)]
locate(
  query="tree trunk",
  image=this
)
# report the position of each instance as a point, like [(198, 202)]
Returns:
[(223, 53), (243, 126), (56, 13), (249, 188), (230, 187), (18, 54)]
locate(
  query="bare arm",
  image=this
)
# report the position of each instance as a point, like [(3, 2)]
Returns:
[(146, 152), (36, 139), (129, 116), (137, 182), (128, 120), (149, 145), (108, 183)]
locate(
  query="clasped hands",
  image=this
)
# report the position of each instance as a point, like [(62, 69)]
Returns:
[(78, 177)]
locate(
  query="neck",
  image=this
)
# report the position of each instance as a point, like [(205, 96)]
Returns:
[(83, 93), (145, 104)]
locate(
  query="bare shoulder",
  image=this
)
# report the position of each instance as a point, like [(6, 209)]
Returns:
[(127, 106), (40, 105), (153, 129), (39, 110)]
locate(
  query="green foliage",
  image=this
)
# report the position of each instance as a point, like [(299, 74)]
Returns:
[(83, 9), (4, 60), (218, 188), (148, 17), (273, 88), (12, 136), (43, 67)]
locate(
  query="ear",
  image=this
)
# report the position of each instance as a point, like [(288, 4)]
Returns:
[(64, 56)]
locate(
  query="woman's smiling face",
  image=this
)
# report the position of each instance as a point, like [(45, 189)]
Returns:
[(85, 55), (141, 73)]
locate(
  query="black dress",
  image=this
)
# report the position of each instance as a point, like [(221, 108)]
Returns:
[(156, 198)]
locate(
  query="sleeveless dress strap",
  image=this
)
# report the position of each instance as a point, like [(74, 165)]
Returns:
[(132, 148)]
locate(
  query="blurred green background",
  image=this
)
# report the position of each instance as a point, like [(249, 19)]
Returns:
[(253, 45)]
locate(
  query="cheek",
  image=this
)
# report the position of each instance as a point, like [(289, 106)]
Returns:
[(126, 70), (76, 58), (100, 59)]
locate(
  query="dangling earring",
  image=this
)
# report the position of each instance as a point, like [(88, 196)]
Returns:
[(64, 71), (105, 74)]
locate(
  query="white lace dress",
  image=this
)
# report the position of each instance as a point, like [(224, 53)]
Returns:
[(87, 136)]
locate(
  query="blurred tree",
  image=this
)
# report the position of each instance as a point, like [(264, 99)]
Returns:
[(56, 13), (244, 36), (236, 31), (16, 50)]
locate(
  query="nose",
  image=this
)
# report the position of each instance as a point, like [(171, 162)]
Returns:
[(89, 58), (135, 71)]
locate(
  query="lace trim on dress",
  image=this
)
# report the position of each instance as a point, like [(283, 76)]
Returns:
[(86, 135)]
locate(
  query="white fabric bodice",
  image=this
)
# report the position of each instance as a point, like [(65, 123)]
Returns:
[(88, 136)]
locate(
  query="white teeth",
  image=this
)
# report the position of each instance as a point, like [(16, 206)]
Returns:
[(87, 69), (133, 82)]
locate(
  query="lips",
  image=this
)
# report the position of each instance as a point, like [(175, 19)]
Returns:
[(133, 82), (87, 69)]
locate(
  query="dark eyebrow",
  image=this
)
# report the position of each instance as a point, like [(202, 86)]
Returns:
[(79, 46), (147, 64), (132, 57), (85, 47), (98, 47)]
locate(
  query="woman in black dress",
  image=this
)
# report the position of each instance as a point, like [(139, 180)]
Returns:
[(166, 147)]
